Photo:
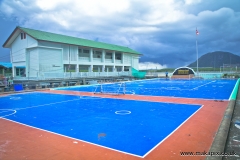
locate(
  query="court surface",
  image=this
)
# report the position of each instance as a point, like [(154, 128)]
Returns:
[(101, 121), (206, 89), (149, 124)]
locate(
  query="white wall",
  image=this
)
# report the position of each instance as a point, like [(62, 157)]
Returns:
[(65, 52), (73, 53), (18, 48), (65, 49), (50, 60), (50, 44), (32, 63), (50, 56), (135, 62), (127, 58), (31, 42)]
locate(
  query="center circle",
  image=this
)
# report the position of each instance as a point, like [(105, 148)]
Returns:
[(123, 112)]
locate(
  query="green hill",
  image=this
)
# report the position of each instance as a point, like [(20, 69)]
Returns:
[(216, 59)]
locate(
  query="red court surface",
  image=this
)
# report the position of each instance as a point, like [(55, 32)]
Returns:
[(19, 142)]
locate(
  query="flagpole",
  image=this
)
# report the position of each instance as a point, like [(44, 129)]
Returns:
[(197, 51)]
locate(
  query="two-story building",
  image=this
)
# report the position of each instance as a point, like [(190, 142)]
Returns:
[(39, 53)]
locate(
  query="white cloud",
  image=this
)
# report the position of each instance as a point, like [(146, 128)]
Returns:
[(189, 2), (50, 4), (136, 15), (150, 65), (153, 27)]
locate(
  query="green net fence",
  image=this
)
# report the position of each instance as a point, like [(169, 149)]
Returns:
[(138, 74)]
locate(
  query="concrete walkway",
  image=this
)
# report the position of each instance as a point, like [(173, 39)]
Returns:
[(233, 141)]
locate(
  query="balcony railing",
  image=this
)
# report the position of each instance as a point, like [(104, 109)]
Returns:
[(84, 59), (108, 61), (118, 61), (97, 59), (67, 75)]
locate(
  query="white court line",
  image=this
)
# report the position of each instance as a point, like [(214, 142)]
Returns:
[(153, 101), (7, 110), (202, 85), (165, 88), (172, 132), (46, 104), (94, 143), (75, 139), (15, 109)]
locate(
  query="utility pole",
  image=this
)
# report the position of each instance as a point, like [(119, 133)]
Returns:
[(197, 33)]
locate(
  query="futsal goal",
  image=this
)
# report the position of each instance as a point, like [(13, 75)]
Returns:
[(111, 89)]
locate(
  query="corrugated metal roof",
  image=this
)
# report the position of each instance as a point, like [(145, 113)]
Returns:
[(52, 37), (6, 64)]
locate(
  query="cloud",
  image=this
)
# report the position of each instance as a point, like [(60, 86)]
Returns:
[(189, 2), (150, 65), (160, 30)]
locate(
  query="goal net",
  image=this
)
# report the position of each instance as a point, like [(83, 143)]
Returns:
[(111, 89)]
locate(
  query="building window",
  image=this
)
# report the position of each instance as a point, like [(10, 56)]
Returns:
[(118, 55), (86, 51), (23, 35), (70, 67), (97, 54), (108, 55), (20, 72), (83, 53)]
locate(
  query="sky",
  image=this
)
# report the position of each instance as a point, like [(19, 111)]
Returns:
[(163, 31)]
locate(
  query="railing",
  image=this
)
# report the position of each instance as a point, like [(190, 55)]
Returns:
[(87, 59), (118, 61), (83, 59), (108, 61), (97, 59), (205, 75), (210, 75), (68, 75)]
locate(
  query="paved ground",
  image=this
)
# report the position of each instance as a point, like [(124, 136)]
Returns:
[(233, 141), (20, 142)]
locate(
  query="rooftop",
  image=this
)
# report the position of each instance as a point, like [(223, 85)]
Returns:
[(53, 37), (6, 64)]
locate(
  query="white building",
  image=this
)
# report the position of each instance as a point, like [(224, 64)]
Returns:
[(42, 53)]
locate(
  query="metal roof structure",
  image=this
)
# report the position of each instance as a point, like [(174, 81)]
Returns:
[(58, 38), (6, 64)]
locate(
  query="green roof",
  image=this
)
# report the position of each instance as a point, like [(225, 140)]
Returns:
[(53, 37)]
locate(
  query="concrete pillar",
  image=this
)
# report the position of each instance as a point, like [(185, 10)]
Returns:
[(122, 58), (113, 57), (91, 68), (91, 55), (14, 71), (103, 68), (113, 69), (76, 68), (103, 56), (84, 81)]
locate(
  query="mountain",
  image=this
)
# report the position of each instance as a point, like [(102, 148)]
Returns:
[(216, 59)]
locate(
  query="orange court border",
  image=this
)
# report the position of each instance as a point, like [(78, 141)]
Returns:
[(19, 141)]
